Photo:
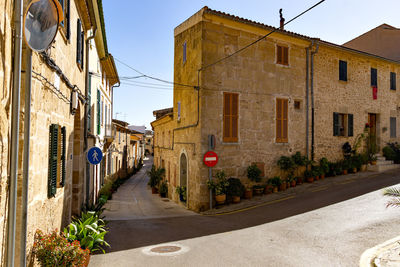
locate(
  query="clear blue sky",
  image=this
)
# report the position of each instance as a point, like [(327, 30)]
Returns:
[(140, 33)]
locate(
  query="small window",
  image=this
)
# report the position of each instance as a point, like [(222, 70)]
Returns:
[(392, 127), (342, 70), (374, 77), (79, 44), (342, 124), (282, 56), (297, 104), (184, 52), (179, 110), (392, 81)]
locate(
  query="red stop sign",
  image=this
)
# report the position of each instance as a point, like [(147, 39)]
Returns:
[(210, 158)]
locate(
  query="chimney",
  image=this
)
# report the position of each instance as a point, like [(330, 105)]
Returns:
[(282, 22)]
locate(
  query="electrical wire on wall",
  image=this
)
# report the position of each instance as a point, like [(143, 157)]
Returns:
[(51, 87)]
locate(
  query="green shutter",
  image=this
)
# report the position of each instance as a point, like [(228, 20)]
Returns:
[(98, 112), (89, 110), (52, 175), (63, 148), (335, 124), (350, 125)]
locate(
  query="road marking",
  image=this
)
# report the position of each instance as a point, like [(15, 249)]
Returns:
[(320, 189), (347, 182), (250, 208)]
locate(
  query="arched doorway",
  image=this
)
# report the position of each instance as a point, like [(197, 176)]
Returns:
[(183, 173)]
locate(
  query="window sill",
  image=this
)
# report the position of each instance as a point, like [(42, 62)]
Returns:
[(283, 65)]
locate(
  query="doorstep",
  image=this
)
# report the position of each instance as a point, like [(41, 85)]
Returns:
[(316, 186)]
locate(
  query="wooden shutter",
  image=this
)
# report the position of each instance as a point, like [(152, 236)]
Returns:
[(98, 112), (374, 77), (336, 124), (279, 55), (393, 81), (89, 110), (231, 114), (342, 70), (392, 127), (285, 55), (78, 41), (281, 120), (67, 19), (53, 159), (82, 48), (350, 125), (63, 149)]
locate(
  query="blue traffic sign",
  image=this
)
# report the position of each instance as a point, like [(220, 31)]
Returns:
[(94, 155)]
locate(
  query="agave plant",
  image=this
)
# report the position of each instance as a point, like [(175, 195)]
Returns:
[(395, 194), (89, 230)]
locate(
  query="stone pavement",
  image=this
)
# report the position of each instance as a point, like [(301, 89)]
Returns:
[(386, 254)]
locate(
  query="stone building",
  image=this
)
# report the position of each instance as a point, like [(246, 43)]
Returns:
[(286, 93), (57, 179)]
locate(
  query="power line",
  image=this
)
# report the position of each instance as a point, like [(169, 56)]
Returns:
[(262, 38)]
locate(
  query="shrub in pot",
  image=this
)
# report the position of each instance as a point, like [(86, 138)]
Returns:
[(248, 193), (253, 173), (324, 165), (156, 175), (219, 187), (181, 191), (163, 189), (258, 189), (308, 175), (276, 183), (235, 189)]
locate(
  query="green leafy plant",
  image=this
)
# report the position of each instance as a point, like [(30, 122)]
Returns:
[(395, 194), (298, 159), (156, 175), (287, 164), (392, 152), (275, 181), (55, 250), (219, 187), (308, 174), (181, 191), (324, 165), (253, 173), (235, 187), (89, 230), (163, 187)]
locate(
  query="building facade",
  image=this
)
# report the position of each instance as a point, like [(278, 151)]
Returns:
[(286, 93)]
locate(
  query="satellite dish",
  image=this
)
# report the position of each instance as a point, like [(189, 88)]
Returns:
[(41, 22)]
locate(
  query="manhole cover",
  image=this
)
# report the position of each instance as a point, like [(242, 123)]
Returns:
[(165, 249)]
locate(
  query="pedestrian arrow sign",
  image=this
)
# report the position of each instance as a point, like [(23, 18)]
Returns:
[(94, 155)]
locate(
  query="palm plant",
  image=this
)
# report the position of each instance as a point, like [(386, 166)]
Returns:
[(395, 194)]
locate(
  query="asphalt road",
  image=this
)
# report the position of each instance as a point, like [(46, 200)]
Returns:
[(330, 227)]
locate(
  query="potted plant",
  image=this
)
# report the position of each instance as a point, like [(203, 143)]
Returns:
[(276, 183), (55, 250), (324, 166), (248, 193), (315, 172), (163, 189), (299, 180), (219, 187), (308, 175), (345, 166), (287, 165), (292, 181), (156, 175), (235, 189), (299, 161), (364, 161), (258, 189), (253, 173), (181, 191), (268, 187)]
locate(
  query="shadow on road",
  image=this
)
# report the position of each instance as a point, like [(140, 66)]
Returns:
[(130, 234)]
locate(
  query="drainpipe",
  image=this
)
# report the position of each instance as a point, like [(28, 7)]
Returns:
[(307, 99), (86, 126), (312, 100), (25, 177), (12, 201)]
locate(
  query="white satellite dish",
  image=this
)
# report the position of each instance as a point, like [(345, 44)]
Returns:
[(41, 22)]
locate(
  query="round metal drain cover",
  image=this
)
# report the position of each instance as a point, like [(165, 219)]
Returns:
[(165, 249)]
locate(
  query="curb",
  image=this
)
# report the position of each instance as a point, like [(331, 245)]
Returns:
[(368, 257)]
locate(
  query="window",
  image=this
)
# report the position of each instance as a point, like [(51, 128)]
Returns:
[(281, 120), (297, 104), (231, 107), (392, 81), (79, 44), (342, 124), (56, 171), (392, 127), (282, 56), (374, 77), (342, 70), (184, 52), (179, 110), (65, 24)]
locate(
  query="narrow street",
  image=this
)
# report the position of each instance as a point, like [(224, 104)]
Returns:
[(330, 227)]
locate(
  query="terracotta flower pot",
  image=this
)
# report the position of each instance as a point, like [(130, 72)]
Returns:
[(322, 176), (248, 194), (299, 180), (220, 199), (154, 190), (293, 183), (373, 162), (268, 189), (282, 187), (344, 172), (310, 179), (316, 178), (275, 189), (354, 170), (235, 199)]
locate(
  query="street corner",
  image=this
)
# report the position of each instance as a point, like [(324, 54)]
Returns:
[(385, 254)]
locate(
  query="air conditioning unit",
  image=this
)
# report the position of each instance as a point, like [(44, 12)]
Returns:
[(74, 102)]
